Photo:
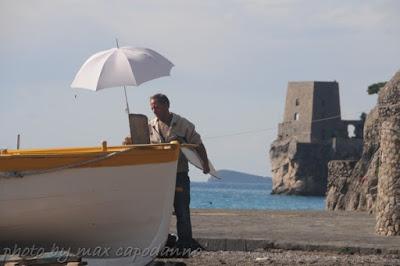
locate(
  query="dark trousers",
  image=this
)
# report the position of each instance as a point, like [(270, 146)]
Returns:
[(182, 211)]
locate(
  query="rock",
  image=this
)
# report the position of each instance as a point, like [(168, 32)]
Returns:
[(374, 183), (360, 186), (388, 199), (299, 168)]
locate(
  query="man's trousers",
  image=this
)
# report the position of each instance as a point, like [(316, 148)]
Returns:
[(182, 211)]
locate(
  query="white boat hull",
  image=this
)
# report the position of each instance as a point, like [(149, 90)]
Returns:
[(105, 212)]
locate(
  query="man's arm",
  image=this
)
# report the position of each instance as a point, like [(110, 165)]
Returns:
[(201, 150), (192, 137)]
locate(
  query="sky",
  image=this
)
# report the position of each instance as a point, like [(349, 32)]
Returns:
[(233, 60)]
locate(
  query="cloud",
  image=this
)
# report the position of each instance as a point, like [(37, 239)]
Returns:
[(364, 16), (352, 15), (195, 34), (173, 26)]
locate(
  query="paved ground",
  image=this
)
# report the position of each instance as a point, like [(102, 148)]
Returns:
[(287, 238), (279, 257), (342, 232)]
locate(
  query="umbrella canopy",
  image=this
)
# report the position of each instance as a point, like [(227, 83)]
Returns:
[(125, 66)]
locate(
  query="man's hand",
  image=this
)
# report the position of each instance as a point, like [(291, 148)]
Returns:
[(181, 140), (127, 141), (206, 167), (201, 150)]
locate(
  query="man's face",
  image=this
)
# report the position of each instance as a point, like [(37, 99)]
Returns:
[(159, 109)]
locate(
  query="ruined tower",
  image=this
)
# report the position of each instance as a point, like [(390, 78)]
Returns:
[(312, 133), (312, 111)]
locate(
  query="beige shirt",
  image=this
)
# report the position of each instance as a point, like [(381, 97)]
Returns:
[(180, 129)]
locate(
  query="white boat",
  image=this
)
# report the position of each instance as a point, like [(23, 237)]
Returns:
[(104, 202)]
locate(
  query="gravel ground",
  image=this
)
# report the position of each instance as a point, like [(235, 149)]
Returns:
[(279, 257)]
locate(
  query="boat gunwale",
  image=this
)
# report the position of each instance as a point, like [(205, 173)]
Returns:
[(82, 151), (50, 160)]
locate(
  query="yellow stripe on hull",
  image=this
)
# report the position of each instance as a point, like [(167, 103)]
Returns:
[(42, 159)]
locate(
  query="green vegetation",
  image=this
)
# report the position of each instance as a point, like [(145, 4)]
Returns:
[(363, 116), (374, 88)]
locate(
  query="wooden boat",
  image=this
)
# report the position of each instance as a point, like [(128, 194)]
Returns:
[(105, 202)]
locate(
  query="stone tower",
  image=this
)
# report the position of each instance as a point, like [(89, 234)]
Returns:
[(312, 111), (311, 134)]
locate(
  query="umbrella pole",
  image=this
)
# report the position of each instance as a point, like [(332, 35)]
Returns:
[(126, 101), (130, 119), (126, 96)]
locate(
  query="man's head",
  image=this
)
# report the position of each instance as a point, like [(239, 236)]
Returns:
[(159, 104)]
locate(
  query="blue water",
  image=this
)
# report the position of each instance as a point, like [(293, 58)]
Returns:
[(222, 195)]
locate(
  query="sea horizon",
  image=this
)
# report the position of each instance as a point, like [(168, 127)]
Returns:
[(248, 196)]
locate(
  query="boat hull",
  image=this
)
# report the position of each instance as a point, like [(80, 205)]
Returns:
[(105, 210)]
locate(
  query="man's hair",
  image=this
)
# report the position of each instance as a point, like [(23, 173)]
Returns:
[(161, 98)]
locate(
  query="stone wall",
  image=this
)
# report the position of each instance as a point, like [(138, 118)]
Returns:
[(388, 200), (351, 149), (299, 99), (301, 130), (338, 174), (326, 111), (373, 183), (360, 182)]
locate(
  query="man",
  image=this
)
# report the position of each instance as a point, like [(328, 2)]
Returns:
[(164, 128)]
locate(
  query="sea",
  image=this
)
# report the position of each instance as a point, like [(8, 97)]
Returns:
[(250, 196)]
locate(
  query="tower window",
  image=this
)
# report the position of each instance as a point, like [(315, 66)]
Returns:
[(296, 116), (297, 102), (351, 130)]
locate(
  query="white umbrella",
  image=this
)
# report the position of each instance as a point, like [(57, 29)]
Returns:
[(125, 66)]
